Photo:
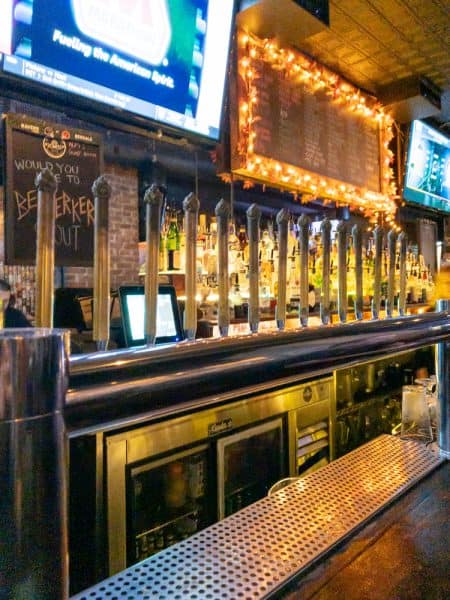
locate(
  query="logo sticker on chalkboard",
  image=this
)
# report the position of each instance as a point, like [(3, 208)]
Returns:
[(54, 148)]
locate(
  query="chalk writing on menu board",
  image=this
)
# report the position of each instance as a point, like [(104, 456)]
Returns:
[(300, 127), (75, 158)]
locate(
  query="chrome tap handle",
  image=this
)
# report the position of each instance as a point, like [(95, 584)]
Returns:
[(253, 221), (191, 207), (153, 199), (342, 271), (376, 300), (102, 194), (304, 223), (280, 311), (392, 239), (357, 249), (403, 242), (325, 230), (223, 217), (45, 247)]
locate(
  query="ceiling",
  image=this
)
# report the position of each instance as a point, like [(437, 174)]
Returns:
[(376, 43)]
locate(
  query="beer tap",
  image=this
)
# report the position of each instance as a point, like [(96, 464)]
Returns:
[(325, 229), (357, 249), (45, 247), (403, 242), (253, 220), (153, 199), (304, 223), (222, 212), (191, 207), (342, 271), (100, 326), (282, 222), (391, 274), (376, 300)]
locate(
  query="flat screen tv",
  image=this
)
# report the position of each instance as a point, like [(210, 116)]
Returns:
[(164, 60), (132, 307), (427, 175)]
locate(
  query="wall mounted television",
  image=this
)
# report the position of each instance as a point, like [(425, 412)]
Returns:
[(164, 60), (427, 173)]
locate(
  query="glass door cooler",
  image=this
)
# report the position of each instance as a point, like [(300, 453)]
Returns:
[(248, 463), (168, 502)]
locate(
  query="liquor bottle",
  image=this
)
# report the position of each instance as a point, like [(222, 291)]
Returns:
[(172, 242)]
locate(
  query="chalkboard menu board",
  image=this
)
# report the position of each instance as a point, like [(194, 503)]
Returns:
[(299, 126), (75, 158), (296, 125)]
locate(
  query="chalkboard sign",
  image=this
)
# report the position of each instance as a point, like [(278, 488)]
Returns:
[(300, 127), (75, 158), (296, 125)]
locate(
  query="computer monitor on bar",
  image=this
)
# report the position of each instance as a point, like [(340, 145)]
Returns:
[(132, 305)]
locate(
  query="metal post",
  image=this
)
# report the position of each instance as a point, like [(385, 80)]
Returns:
[(253, 219), (443, 387), (304, 222), (45, 247), (341, 231), (33, 501), (153, 199), (191, 207), (357, 249), (280, 311), (223, 216), (100, 327), (325, 230), (376, 300)]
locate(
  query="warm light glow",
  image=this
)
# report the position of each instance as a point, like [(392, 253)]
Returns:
[(299, 67)]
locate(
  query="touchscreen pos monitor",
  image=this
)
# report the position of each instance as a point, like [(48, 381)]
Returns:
[(132, 305)]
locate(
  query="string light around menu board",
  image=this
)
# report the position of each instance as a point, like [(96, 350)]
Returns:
[(317, 77)]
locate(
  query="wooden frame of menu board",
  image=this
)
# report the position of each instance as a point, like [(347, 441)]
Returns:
[(299, 127), (75, 157)]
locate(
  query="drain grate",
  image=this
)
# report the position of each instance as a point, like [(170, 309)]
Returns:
[(253, 552)]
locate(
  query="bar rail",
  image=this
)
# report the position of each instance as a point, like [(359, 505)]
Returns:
[(166, 380)]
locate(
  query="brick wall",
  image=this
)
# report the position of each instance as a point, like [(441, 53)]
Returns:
[(123, 232)]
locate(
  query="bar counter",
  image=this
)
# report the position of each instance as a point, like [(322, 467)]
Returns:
[(262, 551)]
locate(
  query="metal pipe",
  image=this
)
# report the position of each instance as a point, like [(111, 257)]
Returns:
[(325, 229), (341, 232), (33, 467), (403, 242), (253, 220), (100, 326), (223, 218), (376, 300), (45, 247), (191, 207), (153, 200), (304, 223), (280, 310), (392, 239), (357, 249), (443, 387)]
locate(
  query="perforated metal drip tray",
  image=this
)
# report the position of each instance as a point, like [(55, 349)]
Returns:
[(256, 551)]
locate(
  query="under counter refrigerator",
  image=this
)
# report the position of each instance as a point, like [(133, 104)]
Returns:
[(164, 482), (155, 484)]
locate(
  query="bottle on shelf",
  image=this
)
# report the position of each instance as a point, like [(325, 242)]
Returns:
[(173, 243)]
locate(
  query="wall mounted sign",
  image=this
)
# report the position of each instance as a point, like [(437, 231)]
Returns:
[(75, 158), (300, 127)]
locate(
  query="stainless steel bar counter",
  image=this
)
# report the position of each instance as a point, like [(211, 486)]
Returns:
[(138, 383)]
